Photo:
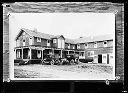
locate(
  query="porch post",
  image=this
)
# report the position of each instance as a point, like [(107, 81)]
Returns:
[(22, 53), (53, 51), (30, 53), (68, 52), (61, 53), (42, 52)]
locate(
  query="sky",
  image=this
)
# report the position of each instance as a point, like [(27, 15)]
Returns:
[(71, 25)]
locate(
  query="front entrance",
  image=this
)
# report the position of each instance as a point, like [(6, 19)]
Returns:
[(99, 58)]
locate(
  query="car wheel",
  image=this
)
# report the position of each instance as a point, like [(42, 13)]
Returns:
[(52, 62), (72, 62), (42, 62), (60, 62)]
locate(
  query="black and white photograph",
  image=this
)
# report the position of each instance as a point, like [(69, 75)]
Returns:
[(62, 46)]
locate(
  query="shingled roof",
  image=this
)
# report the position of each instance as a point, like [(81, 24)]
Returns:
[(94, 38), (71, 41), (37, 34)]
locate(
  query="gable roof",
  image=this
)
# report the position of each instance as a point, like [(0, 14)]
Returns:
[(37, 34), (71, 41), (94, 38), (58, 36)]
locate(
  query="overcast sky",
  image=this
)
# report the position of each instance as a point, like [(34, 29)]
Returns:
[(71, 25)]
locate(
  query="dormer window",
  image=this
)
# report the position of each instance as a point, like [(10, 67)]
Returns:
[(86, 45), (95, 45), (38, 39), (105, 43), (54, 40)]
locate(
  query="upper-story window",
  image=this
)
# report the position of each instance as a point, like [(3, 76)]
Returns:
[(73, 47), (48, 42), (54, 40), (105, 43), (81, 53), (23, 42), (78, 46), (38, 39), (86, 45), (95, 44), (90, 53), (68, 46)]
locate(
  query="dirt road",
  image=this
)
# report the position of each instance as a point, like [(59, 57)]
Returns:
[(62, 72)]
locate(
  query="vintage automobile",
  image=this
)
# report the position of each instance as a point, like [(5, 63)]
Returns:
[(24, 62), (50, 59), (72, 59)]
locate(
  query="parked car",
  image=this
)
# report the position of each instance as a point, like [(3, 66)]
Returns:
[(50, 59), (24, 62), (72, 58)]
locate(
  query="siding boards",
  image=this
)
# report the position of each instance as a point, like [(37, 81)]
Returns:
[(42, 43)]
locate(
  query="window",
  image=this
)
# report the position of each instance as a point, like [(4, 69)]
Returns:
[(95, 45), (38, 39), (48, 41), (81, 53), (86, 45), (30, 41), (78, 46), (39, 54), (73, 47), (18, 53), (54, 40), (105, 43), (90, 53), (68, 45), (23, 42)]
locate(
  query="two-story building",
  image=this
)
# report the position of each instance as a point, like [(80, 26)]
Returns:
[(32, 45)]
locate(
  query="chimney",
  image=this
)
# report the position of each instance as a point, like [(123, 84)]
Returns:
[(35, 29)]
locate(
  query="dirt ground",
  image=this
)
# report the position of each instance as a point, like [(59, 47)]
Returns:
[(83, 71)]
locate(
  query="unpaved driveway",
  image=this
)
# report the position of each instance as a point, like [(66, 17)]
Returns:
[(78, 72)]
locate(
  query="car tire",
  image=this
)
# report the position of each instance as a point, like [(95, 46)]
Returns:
[(52, 62), (72, 62), (42, 62)]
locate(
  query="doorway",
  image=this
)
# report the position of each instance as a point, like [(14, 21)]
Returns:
[(99, 58)]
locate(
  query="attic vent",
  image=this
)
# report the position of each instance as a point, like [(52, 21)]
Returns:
[(81, 37)]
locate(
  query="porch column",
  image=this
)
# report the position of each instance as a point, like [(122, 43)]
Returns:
[(53, 51), (22, 53), (68, 52), (42, 52), (30, 53), (61, 53)]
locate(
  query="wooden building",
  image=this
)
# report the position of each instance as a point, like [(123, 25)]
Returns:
[(32, 45)]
